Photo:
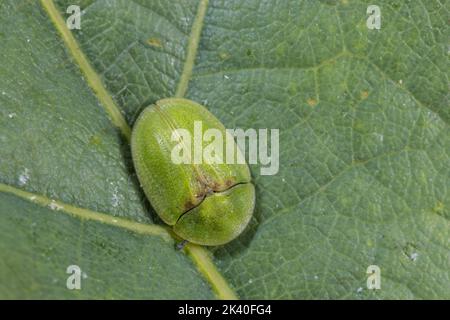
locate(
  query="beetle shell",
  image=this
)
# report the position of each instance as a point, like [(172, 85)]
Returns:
[(206, 203)]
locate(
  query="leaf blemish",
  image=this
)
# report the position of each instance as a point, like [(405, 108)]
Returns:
[(438, 208), (414, 256), (312, 102), (95, 140), (115, 198), (364, 94), (224, 55), (24, 177), (55, 206), (379, 136), (155, 42)]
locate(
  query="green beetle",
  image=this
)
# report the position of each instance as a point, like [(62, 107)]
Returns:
[(205, 203)]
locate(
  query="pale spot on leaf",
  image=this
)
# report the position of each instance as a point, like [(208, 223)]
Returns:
[(155, 42), (55, 206), (312, 102), (364, 94), (24, 177)]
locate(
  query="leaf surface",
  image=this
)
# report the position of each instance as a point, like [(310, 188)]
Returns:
[(364, 145)]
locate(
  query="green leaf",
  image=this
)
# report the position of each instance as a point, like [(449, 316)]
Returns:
[(58, 142), (364, 146)]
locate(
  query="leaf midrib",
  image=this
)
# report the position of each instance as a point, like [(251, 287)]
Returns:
[(91, 75), (86, 214)]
